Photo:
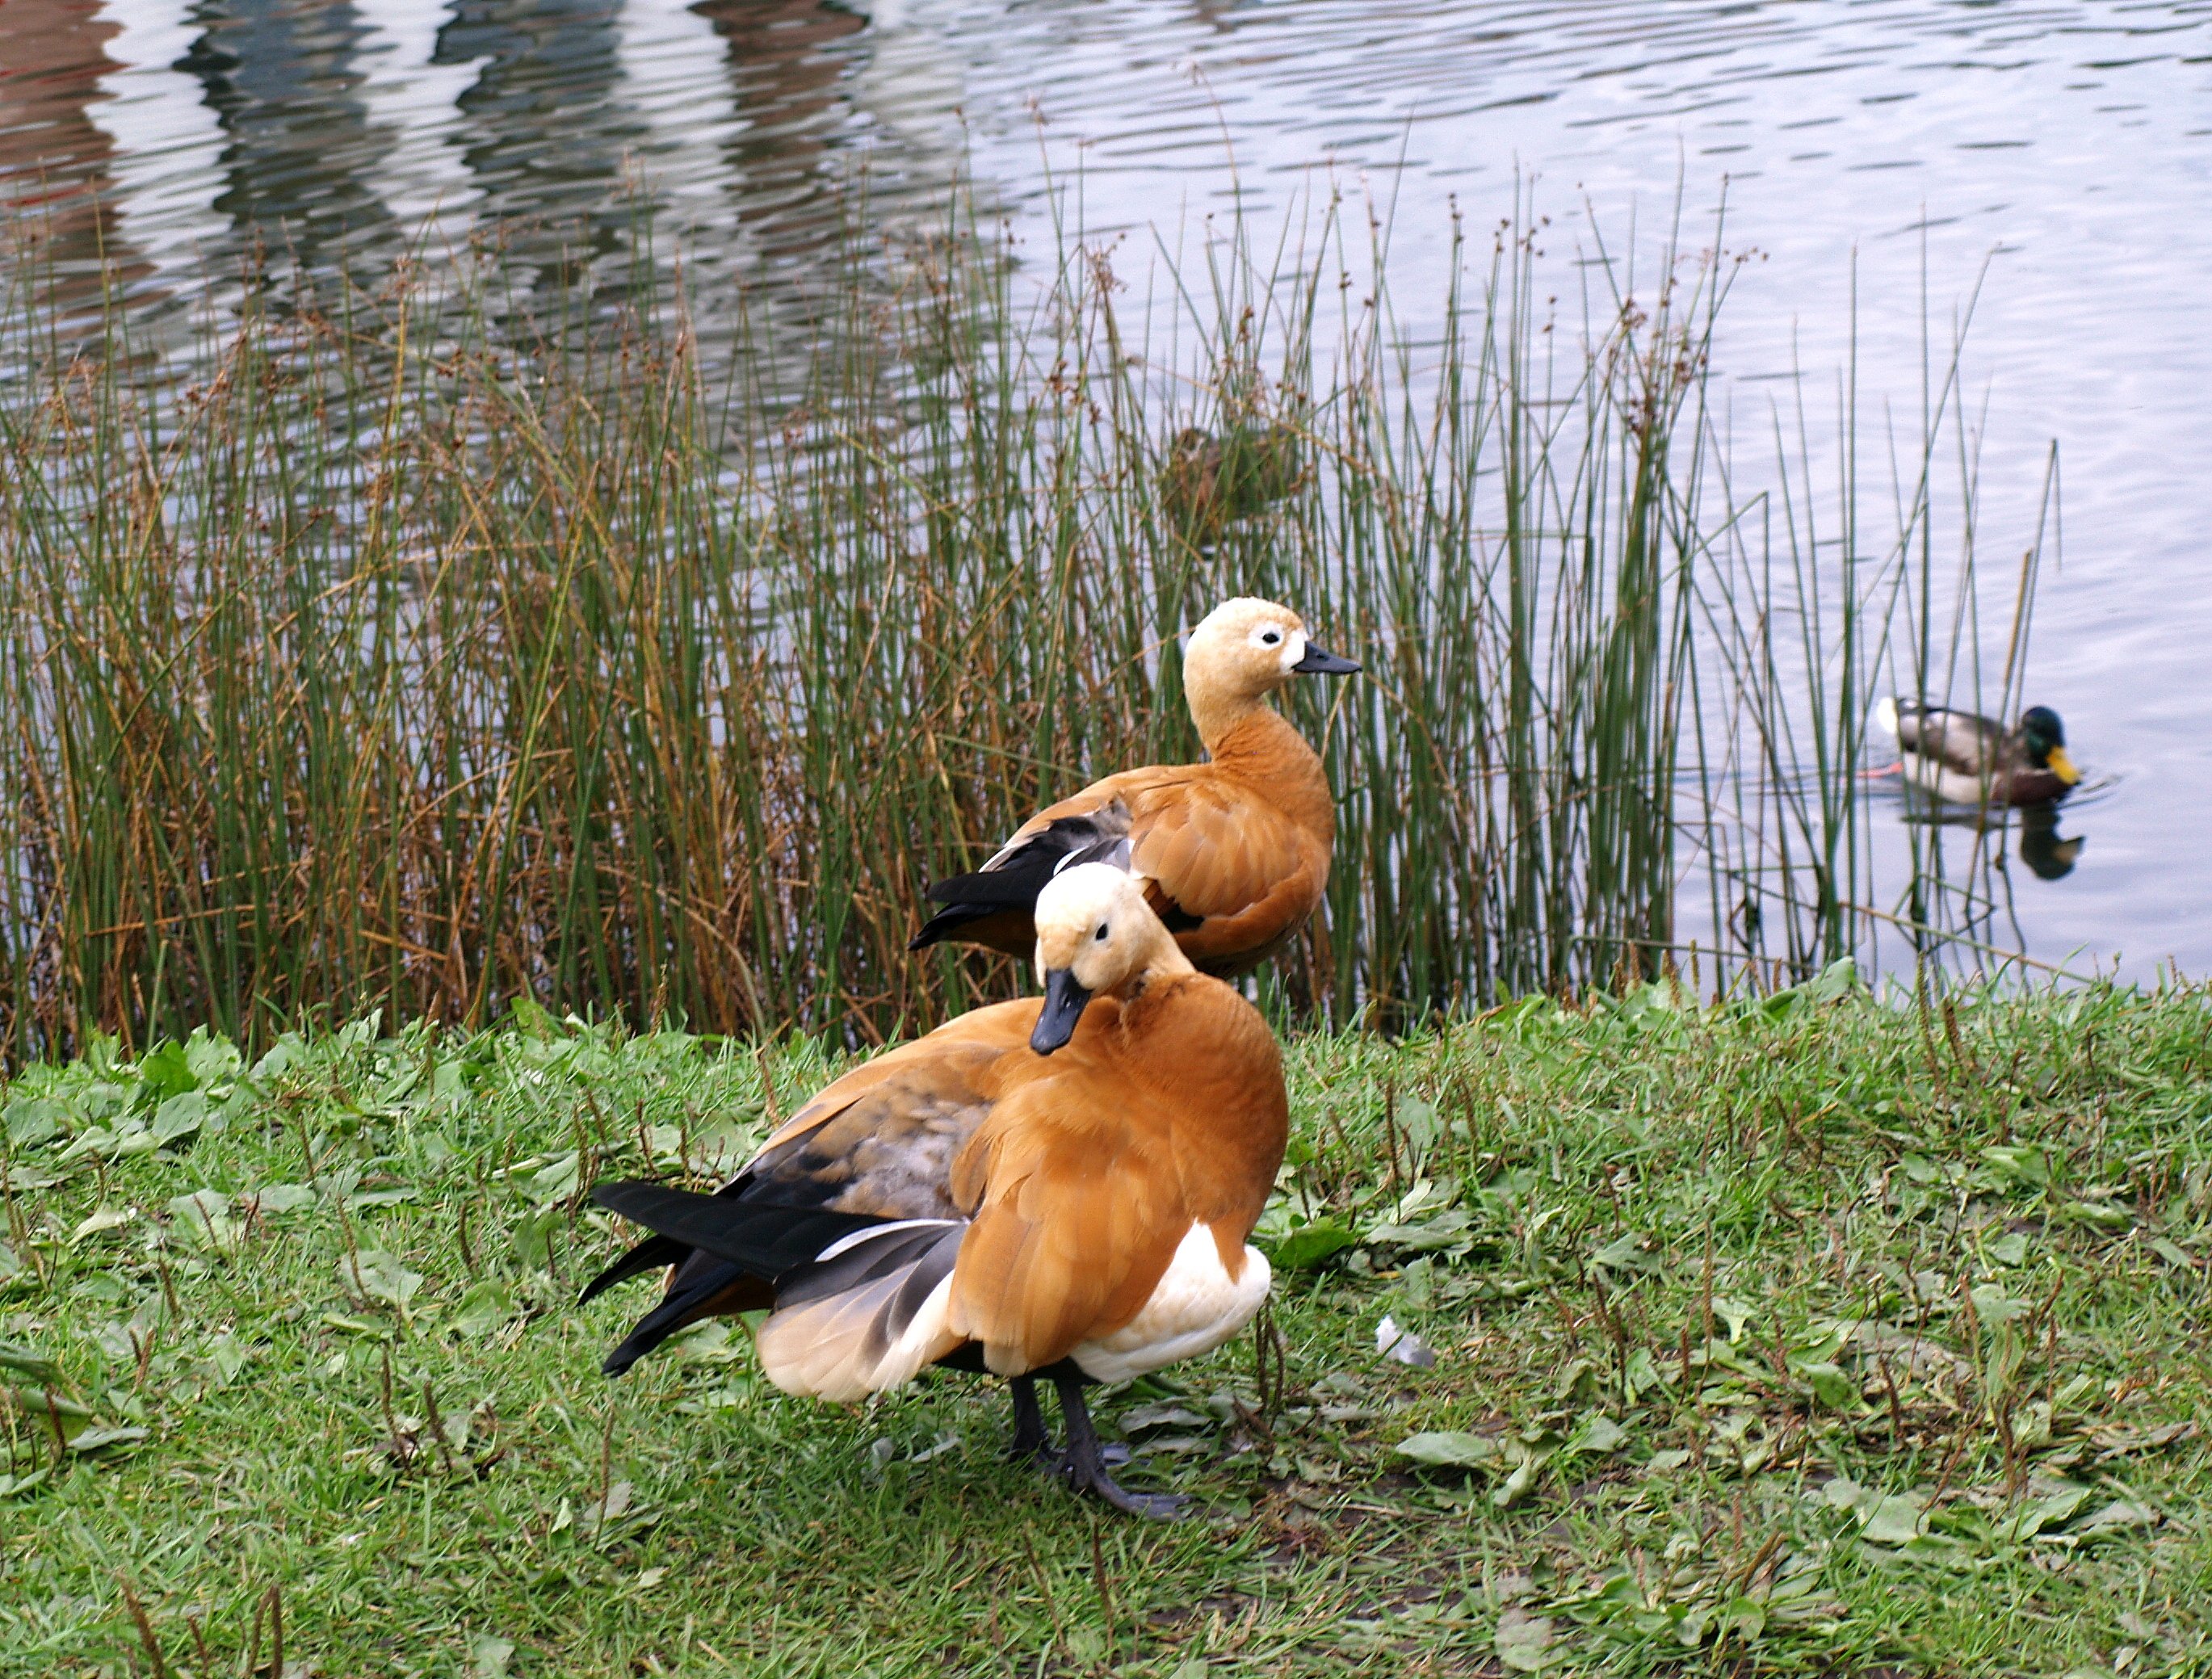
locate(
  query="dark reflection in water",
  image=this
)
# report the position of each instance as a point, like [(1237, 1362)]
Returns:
[(545, 136), (787, 87), (299, 169), (2047, 853), (53, 158)]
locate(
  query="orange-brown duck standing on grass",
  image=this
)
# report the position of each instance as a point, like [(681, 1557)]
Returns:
[(1233, 852), (1057, 1188)]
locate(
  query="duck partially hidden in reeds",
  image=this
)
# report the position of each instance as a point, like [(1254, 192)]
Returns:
[(1210, 482), (1233, 852), (1058, 1188), (1970, 759)]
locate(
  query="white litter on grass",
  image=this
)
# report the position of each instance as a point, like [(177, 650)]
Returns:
[(1393, 1342)]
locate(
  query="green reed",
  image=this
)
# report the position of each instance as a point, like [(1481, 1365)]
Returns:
[(443, 646)]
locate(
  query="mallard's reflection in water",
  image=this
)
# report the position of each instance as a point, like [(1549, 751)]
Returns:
[(2047, 853)]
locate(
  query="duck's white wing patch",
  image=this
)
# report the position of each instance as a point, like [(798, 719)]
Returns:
[(1196, 1306), (869, 1313)]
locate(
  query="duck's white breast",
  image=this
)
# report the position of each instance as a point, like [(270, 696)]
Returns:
[(1196, 1306)]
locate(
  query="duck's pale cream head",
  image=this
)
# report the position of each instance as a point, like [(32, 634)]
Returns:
[(1241, 652), (1095, 934)]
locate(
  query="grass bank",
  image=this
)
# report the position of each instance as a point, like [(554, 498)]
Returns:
[(1816, 1336)]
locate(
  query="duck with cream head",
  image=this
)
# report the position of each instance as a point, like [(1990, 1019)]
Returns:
[(1233, 852), (1060, 1187)]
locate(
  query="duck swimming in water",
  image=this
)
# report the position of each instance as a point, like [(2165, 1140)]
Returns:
[(1970, 759)]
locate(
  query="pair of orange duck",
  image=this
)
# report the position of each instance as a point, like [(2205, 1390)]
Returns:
[(1060, 1187)]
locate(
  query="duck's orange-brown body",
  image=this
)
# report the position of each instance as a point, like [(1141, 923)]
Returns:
[(1233, 852), (1035, 1202)]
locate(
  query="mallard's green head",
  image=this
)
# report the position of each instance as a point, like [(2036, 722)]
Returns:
[(2044, 738)]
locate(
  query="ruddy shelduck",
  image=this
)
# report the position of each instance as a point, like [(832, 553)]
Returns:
[(1059, 1187), (1233, 852)]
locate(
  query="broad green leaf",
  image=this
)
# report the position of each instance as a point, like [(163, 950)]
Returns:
[(1891, 1518), (225, 1357), (1309, 1246), (555, 1182), (1642, 1375), (1451, 1449), (2054, 1509), (533, 1236), (22, 1361), (1523, 1641), (106, 1218), (2020, 1162), (1510, 1491), (488, 1305), (1599, 1436), (33, 1120), (377, 1275), (1447, 1229), (1993, 1305), (46, 1402), (1831, 1387), (179, 1117), (98, 1436), (1418, 1121), (204, 1216), (200, 1206), (279, 1199), (211, 1060), (10, 1266), (369, 1200), (285, 1053), (2120, 1513), (1839, 980), (1625, 1253), (164, 1071), (1735, 1315)]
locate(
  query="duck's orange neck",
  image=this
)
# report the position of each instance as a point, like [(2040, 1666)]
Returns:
[(1264, 752)]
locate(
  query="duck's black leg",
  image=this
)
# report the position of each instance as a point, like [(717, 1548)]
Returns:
[(1084, 1464), (1030, 1441)]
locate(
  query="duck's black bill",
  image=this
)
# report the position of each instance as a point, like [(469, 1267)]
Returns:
[(1320, 661), (1063, 1001)]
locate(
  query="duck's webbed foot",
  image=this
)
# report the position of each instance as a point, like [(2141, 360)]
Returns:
[(1084, 1465)]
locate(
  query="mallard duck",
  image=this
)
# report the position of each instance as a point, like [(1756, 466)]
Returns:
[(1233, 852), (1972, 760), (1058, 1189)]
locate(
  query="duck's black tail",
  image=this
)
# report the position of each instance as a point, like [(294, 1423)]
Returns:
[(729, 1252)]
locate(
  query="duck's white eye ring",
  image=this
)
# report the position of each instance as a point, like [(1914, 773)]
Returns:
[(1270, 637), (1101, 933)]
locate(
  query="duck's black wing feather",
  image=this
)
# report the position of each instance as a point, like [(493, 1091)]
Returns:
[(761, 1238), (1012, 880)]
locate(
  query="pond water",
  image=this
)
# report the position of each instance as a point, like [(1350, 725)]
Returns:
[(1880, 150)]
